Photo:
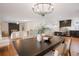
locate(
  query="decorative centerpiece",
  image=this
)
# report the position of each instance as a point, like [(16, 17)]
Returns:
[(41, 34), (39, 37)]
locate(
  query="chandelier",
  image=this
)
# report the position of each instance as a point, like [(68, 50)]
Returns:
[(42, 8)]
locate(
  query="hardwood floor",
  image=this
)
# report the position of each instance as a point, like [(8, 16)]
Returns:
[(8, 51), (75, 46)]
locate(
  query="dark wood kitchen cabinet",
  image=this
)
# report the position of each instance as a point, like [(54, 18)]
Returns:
[(13, 27)]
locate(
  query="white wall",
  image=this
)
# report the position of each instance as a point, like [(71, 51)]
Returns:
[(35, 24), (13, 12), (4, 26), (75, 24), (54, 25)]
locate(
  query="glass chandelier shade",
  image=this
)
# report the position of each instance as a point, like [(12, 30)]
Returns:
[(42, 8)]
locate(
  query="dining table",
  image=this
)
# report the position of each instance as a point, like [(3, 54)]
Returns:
[(32, 47)]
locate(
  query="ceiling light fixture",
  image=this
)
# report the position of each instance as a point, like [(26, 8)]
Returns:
[(43, 8)]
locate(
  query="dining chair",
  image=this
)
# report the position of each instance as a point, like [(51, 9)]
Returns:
[(23, 34), (58, 50), (15, 35), (64, 48), (67, 47)]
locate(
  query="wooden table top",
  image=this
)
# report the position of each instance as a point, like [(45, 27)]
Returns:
[(31, 47)]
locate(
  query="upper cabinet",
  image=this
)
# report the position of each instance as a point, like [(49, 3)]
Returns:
[(65, 23)]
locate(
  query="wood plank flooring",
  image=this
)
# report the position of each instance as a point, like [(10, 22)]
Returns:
[(9, 51), (75, 46)]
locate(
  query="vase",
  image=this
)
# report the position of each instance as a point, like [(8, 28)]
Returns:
[(39, 37)]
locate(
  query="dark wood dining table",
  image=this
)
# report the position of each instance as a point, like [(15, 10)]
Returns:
[(31, 47)]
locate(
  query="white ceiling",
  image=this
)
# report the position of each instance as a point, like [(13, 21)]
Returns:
[(23, 11)]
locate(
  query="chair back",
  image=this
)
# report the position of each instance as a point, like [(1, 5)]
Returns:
[(15, 35), (64, 48), (67, 46)]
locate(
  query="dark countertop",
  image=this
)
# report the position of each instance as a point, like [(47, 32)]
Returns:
[(31, 47), (72, 33)]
